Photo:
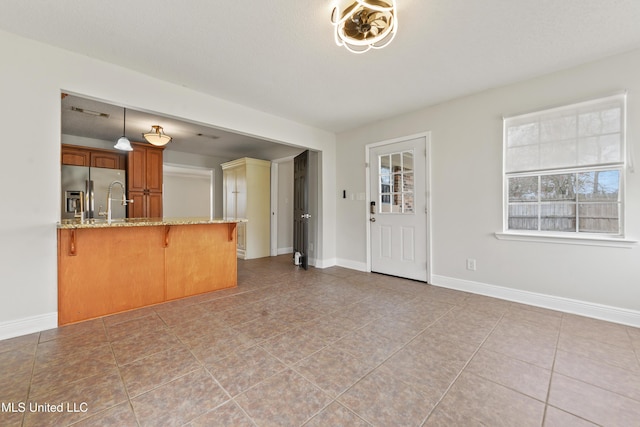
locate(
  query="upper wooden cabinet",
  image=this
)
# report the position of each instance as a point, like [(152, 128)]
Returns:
[(102, 159), (94, 157), (144, 180), (75, 156)]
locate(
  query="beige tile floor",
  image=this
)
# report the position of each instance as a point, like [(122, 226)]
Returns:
[(329, 347)]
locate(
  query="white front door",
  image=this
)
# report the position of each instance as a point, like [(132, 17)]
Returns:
[(398, 208)]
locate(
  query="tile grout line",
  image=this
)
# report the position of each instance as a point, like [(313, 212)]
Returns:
[(33, 368), (381, 363), (124, 386), (553, 365), (547, 404), (461, 371)]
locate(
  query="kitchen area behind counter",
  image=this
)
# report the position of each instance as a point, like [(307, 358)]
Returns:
[(109, 267)]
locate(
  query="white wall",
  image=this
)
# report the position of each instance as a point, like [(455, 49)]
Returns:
[(186, 192), (467, 193), (32, 76), (86, 142), (200, 161)]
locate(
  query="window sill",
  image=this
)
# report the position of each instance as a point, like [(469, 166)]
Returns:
[(614, 242)]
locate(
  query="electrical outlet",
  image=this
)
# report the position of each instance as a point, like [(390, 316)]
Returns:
[(471, 264)]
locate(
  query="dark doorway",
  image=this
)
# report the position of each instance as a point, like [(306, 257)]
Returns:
[(301, 208)]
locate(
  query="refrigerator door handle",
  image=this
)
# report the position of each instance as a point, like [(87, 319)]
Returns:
[(90, 201)]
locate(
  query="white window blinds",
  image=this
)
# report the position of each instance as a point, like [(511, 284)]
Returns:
[(579, 135)]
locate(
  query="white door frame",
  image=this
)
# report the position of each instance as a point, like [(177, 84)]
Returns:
[(427, 165)]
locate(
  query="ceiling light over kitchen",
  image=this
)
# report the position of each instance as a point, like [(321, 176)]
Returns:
[(365, 24), (157, 136), (123, 143)]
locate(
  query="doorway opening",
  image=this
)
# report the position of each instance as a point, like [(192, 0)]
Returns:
[(282, 206)]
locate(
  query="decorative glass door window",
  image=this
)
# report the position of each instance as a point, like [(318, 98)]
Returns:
[(396, 191)]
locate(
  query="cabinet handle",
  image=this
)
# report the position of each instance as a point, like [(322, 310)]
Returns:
[(166, 235)]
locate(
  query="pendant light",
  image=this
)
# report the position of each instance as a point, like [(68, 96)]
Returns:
[(157, 136), (123, 143)]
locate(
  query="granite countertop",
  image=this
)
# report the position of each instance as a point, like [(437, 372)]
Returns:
[(143, 222)]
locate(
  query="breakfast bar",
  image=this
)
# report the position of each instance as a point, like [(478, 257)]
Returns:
[(110, 267)]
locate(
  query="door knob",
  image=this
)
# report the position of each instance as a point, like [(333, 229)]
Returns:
[(372, 219)]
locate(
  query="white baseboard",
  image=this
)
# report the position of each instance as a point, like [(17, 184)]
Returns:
[(28, 325), (567, 305), (353, 265), (324, 263), (283, 251)]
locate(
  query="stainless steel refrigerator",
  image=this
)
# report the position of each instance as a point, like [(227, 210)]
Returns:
[(84, 189)]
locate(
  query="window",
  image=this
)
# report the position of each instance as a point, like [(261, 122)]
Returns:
[(396, 182), (564, 169)]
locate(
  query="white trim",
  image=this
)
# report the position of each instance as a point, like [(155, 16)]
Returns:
[(573, 239), (353, 265), (427, 137), (28, 325), (566, 305), (246, 161), (185, 170), (320, 263)]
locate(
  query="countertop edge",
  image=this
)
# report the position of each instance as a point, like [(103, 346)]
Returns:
[(144, 222)]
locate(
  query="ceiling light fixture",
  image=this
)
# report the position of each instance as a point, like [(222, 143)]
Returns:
[(123, 143), (365, 24), (157, 136)]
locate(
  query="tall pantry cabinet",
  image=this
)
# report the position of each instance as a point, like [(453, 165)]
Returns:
[(144, 181), (247, 194)]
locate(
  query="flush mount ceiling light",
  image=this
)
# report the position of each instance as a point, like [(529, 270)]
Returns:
[(157, 136), (365, 24), (123, 143)]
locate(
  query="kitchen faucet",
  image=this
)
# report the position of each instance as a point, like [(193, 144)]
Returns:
[(124, 201)]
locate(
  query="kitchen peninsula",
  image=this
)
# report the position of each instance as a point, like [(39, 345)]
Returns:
[(106, 268)]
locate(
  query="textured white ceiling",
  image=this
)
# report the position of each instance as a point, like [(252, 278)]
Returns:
[(279, 56)]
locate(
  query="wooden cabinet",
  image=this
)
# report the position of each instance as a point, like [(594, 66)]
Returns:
[(144, 181), (75, 156), (108, 270), (102, 159), (247, 189), (94, 157), (199, 258)]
